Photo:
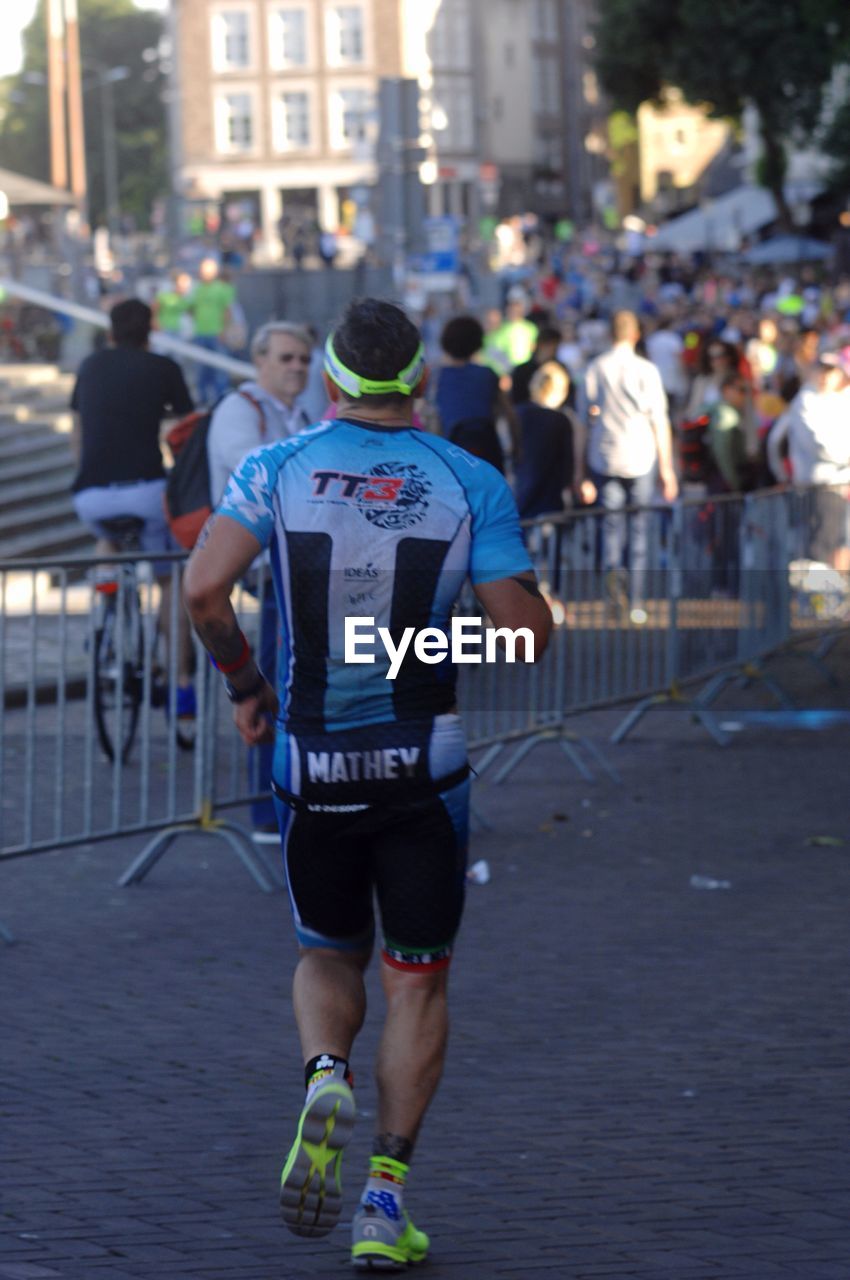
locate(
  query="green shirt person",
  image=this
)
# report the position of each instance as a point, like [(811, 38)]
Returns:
[(170, 305), (513, 341), (209, 303)]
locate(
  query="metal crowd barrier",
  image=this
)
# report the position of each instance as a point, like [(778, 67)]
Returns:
[(728, 581)]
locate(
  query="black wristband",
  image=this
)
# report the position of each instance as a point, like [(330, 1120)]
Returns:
[(242, 695)]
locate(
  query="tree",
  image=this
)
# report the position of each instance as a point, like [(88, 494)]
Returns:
[(776, 54), (836, 144), (113, 33)]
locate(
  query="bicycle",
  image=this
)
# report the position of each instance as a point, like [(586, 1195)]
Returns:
[(123, 669)]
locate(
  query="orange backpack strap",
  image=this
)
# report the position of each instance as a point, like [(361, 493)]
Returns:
[(246, 395)]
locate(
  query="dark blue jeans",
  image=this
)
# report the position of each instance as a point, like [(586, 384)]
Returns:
[(625, 538)]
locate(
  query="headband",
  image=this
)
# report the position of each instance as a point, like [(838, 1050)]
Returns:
[(355, 386)]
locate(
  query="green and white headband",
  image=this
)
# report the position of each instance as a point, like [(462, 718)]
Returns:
[(355, 386)]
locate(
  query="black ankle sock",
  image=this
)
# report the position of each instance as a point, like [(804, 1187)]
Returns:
[(327, 1064)]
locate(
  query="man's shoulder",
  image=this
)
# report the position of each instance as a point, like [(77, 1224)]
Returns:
[(90, 363), (600, 363), (241, 401), (273, 454), (162, 362), (475, 477), (647, 368)]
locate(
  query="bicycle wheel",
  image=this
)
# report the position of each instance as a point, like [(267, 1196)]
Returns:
[(118, 660)]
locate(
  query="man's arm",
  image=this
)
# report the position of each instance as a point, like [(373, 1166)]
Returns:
[(516, 603), (224, 552)]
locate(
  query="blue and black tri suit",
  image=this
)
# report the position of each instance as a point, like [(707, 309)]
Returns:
[(384, 523)]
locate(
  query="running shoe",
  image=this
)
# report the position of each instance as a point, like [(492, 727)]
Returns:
[(187, 706), (310, 1186), (384, 1239)]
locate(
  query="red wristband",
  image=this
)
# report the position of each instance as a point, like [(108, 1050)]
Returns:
[(230, 668)]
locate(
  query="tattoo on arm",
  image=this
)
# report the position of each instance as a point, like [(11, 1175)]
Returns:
[(529, 586), (393, 1147), (205, 532), (221, 638)]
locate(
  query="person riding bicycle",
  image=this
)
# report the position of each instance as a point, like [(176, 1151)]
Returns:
[(120, 398), (365, 515)]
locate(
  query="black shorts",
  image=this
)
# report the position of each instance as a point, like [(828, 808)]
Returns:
[(411, 857)]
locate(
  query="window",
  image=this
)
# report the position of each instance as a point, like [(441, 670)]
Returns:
[(453, 101), (346, 35), (288, 43), (544, 20), (292, 120), (350, 112), (231, 34), (547, 90), (235, 122), (449, 40)]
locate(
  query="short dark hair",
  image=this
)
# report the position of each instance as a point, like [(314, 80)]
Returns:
[(130, 323), (376, 340), (462, 337), (549, 334)]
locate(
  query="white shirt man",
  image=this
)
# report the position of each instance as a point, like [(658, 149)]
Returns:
[(629, 452), (629, 423), (281, 353)]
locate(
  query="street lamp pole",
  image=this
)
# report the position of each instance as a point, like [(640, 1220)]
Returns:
[(104, 78)]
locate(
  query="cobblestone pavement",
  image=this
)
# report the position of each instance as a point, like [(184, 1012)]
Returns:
[(645, 1079)]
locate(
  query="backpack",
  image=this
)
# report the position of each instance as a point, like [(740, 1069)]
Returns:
[(187, 499), (695, 460)]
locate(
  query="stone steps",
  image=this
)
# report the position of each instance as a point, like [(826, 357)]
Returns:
[(42, 511), (26, 490), (66, 537), (37, 517)]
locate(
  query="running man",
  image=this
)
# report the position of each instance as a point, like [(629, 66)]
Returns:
[(365, 516)]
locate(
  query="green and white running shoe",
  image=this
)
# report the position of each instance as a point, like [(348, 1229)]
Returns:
[(385, 1241), (310, 1185)]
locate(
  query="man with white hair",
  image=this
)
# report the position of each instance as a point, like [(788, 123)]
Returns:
[(261, 410), (264, 408)]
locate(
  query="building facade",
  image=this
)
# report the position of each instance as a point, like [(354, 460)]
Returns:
[(275, 106), (278, 104), (542, 118), (678, 144)]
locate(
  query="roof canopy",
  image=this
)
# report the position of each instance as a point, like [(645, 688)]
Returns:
[(20, 190), (721, 224), (790, 249)]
